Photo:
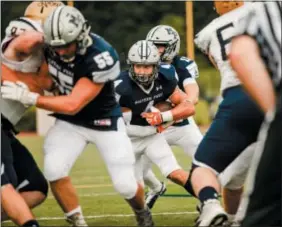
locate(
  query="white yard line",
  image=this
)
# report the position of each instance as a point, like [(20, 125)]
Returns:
[(91, 194), (119, 215), (115, 215)]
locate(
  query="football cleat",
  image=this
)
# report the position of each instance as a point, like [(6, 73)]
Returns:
[(211, 214), (152, 196), (144, 217), (77, 221)]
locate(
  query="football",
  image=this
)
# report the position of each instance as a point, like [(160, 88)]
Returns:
[(164, 106)]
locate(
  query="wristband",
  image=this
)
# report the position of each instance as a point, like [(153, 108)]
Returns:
[(167, 116), (32, 98)]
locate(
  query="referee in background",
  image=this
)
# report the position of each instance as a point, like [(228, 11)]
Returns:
[(256, 57)]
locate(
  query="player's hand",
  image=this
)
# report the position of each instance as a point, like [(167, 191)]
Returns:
[(18, 91), (153, 118), (164, 126)]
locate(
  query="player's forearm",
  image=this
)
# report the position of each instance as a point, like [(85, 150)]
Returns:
[(59, 104), (183, 110), (246, 61), (192, 91), (29, 42)]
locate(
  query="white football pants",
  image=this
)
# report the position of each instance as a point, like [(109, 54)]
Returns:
[(65, 142)]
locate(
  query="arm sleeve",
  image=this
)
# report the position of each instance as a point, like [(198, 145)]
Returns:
[(120, 94), (203, 38), (248, 24), (103, 67)]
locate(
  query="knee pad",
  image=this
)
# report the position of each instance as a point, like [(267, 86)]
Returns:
[(36, 182), (125, 183), (55, 172), (167, 165)]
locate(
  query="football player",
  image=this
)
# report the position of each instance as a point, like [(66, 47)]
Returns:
[(83, 65), (184, 133), (138, 90), (21, 51), (256, 57), (236, 123)]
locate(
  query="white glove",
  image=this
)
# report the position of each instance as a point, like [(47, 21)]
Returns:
[(18, 91)]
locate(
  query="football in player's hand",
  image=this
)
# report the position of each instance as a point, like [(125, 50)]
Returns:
[(164, 106)]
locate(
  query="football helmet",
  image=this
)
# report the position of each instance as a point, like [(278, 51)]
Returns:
[(222, 7), (167, 36), (65, 25), (143, 52), (39, 10)]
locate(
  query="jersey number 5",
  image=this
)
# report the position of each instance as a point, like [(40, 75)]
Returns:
[(64, 81), (223, 42), (104, 59)]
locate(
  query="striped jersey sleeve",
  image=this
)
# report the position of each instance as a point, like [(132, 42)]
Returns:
[(263, 23)]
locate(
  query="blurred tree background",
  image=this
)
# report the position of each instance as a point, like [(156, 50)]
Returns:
[(124, 22)]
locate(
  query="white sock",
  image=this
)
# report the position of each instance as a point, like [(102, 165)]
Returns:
[(75, 211), (231, 217)]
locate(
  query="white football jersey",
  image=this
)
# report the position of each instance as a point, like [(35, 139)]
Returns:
[(215, 39), (14, 110)]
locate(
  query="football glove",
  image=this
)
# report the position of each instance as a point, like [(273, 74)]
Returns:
[(18, 91), (153, 118)]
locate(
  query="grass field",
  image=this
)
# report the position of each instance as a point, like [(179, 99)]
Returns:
[(102, 206)]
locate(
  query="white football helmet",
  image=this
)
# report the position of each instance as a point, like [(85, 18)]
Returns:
[(167, 36), (143, 52), (65, 25)]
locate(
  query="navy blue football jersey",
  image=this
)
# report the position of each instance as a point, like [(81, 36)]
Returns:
[(186, 70), (100, 64), (133, 96)]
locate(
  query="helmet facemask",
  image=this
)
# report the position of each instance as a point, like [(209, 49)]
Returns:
[(144, 79), (170, 49), (164, 35), (84, 40)]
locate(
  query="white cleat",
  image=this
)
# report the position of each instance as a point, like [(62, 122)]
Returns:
[(211, 214), (77, 221), (152, 196)]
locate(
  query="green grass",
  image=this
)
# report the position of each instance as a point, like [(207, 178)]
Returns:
[(102, 206)]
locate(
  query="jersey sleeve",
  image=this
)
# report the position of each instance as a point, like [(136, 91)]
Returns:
[(203, 38), (122, 93), (249, 24), (103, 67), (170, 77), (20, 25), (189, 68)]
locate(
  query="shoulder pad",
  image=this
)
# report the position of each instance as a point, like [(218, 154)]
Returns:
[(184, 63), (123, 84), (20, 25), (181, 62), (102, 60), (203, 38), (167, 71)]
